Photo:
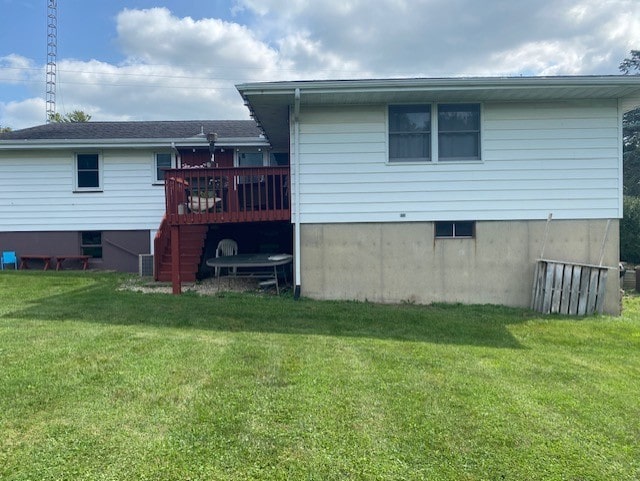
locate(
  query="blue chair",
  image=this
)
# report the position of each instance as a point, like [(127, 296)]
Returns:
[(8, 257)]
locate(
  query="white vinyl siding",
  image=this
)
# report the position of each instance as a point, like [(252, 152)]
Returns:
[(537, 158), (36, 193)]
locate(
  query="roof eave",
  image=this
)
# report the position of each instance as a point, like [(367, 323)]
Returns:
[(433, 84), (26, 144)]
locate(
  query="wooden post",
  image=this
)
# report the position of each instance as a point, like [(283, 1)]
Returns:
[(176, 281)]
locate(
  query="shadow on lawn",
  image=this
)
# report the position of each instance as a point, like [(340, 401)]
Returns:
[(450, 324)]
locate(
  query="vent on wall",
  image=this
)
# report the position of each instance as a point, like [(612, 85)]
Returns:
[(145, 265)]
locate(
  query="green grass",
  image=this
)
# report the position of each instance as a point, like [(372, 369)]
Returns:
[(98, 384)]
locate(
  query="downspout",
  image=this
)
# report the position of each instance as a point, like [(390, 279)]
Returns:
[(296, 192)]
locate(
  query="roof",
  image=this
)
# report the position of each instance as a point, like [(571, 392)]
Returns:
[(128, 133), (270, 102)]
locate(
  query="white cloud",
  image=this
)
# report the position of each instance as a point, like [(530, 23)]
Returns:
[(186, 68), (18, 69), (145, 92), (156, 36), (24, 113), (460, 37)]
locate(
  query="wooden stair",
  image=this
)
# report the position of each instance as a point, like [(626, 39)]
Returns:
[(192, 239)]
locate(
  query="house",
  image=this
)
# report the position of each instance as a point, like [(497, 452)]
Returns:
[(439, 190), (98, 189), (390, 190)]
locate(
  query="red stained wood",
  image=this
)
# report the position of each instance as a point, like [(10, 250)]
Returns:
[(243, 194), (176, 281)]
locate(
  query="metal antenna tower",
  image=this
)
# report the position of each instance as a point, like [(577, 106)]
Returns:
[(52, 52)]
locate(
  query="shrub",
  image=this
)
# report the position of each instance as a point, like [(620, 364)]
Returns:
[(630, 230)]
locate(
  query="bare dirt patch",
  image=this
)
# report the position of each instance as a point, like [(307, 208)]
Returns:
[(205, 287)]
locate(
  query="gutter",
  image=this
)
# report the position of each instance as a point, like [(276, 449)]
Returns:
[(395, 84), (58, 144)]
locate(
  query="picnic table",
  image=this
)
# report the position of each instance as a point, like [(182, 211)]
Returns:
[(25, 258)]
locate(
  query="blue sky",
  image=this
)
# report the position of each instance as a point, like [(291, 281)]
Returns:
[(180, 59)]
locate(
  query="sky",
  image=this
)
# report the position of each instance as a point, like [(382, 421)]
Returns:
[(181, 59)]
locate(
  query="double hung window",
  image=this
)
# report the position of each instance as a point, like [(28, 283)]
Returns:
[(88, 175), (459, 132), (409, 133), (438, 132), (162, 162)]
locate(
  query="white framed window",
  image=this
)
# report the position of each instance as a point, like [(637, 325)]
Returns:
[(161, 161), (459, 132), (88, 171), (434, 132), (455, 229), (409, 133)]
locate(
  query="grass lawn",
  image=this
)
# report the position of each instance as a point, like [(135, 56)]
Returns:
[(100, 384)]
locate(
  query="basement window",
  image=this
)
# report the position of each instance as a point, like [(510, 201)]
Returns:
[(455, 229), (91, 244)]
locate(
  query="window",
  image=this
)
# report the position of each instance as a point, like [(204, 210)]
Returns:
[(465, 229), (278, 158), (250, 158), (459, 132), (162, 161), (409, 133), (91, 244), (443, 132), (88, 171)]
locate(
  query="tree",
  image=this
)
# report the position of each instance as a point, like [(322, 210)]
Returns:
[(75, 116), (631, 133), (78, 116), (630, 223), (630, 230), (630, 63), (4, 129)]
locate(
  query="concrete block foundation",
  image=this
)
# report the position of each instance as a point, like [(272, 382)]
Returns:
[(404, 262)]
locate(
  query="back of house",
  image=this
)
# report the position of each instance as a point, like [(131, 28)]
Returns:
[(439, 190)]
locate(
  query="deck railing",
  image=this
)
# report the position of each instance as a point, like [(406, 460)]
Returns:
[(219, 195)]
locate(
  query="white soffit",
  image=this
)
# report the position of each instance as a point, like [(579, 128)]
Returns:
[(269, 102)]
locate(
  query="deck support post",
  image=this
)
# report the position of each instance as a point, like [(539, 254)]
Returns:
[(176, 281)]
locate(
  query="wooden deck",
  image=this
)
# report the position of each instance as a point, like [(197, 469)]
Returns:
[(223, 195), (196, 197)]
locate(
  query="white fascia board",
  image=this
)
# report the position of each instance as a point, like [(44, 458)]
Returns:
[(606, 86), (93, 143), (437, 83), (50, 144)]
